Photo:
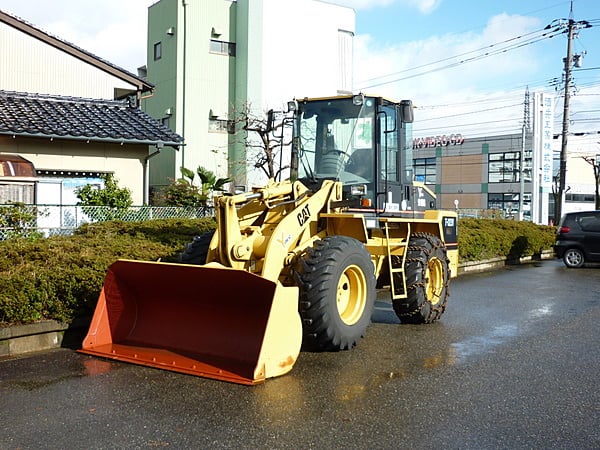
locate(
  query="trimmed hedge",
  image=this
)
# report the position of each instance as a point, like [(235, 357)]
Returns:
[(480, 239), (60, 277)]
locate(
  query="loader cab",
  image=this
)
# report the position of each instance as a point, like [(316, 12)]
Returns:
[(362, 141)]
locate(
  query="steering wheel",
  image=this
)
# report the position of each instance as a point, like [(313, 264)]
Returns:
[(348, 157)]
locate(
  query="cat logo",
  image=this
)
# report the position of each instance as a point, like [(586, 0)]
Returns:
[(303, 215)]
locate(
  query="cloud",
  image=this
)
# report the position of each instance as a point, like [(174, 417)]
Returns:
[(425, 6), (452, 69)]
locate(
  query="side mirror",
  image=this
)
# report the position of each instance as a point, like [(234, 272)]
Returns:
[(270, 121), (406, 111)]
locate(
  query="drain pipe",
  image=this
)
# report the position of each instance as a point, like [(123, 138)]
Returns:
[(159, 145), (184, 4)]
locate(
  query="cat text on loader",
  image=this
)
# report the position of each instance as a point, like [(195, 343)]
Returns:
[(295, 263)]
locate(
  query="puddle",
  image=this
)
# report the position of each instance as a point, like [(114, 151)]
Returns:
[(543, 311), (479, 345)]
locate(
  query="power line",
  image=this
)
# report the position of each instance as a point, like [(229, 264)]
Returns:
[(449, 58), (472, 112), (544, 36)]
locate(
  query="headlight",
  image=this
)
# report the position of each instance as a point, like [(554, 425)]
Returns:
[(358, 189)]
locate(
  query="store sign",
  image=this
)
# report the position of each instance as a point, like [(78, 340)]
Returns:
[(546, 141), (444, 140)]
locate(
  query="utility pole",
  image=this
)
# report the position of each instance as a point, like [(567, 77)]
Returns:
[(562, 174)]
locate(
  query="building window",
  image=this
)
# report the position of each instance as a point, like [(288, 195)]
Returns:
[(221, 126), (425, 170), (222, 47), (504, 167), (580, 198), (17, 192), (507, 202), (157, 51)]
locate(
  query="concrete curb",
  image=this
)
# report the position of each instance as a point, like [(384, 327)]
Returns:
[(21, 339), (495, 263)]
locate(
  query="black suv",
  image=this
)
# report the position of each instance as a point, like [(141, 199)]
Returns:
[(578, 238)]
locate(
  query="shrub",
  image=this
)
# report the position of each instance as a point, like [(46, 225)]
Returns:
[(480, 239), (60, 277), (182, 193), (19, 220), (116, 198), (109, 195)]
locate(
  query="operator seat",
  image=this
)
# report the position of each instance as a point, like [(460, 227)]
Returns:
[(332, 160)]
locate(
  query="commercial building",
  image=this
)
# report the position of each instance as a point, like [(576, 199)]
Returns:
[(477, 173), (515, 173), (211, 60)]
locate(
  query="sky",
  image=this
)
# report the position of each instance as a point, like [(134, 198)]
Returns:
[(465, 64)]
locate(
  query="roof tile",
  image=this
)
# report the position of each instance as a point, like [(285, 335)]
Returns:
[(78, 118)]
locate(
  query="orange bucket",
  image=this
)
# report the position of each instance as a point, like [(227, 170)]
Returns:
[(209, 321)]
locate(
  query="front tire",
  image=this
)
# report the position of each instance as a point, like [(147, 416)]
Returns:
[(196, 252), (427, 275), (337, 293), (573, 258)]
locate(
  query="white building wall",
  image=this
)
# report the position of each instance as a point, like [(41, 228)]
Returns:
[(34, 66), (296, 49), (307, 50), (580, 174), (126, 162)]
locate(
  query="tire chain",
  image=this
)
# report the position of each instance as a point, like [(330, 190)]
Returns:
[(436, 311)]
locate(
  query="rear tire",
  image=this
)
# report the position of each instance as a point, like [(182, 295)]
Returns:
[(196, 251), (337, 293), (573, 258), (427, 275)]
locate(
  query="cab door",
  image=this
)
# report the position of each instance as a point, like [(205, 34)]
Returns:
[(395, 161)]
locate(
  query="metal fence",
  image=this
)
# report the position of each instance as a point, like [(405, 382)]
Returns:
[(482, 213), (51, 220)]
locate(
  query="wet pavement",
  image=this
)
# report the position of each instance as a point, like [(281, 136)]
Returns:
[(513, 363)]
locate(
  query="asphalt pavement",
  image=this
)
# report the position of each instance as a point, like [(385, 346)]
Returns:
[(513, 364)]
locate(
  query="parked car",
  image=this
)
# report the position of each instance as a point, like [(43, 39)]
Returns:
[(578, 238)]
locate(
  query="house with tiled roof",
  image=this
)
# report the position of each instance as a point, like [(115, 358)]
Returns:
[(76, 140), (67, 117)]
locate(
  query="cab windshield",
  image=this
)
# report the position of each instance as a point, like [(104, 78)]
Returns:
[(335, 140)]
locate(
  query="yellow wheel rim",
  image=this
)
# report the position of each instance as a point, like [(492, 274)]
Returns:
[(351, 295), (435, 280)]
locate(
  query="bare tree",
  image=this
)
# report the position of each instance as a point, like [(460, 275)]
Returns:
[(264, 138), (596, 167)]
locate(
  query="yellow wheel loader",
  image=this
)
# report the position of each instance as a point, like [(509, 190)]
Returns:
[(294, 264)]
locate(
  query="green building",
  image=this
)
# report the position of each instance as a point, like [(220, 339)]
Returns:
[(210, 59)]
